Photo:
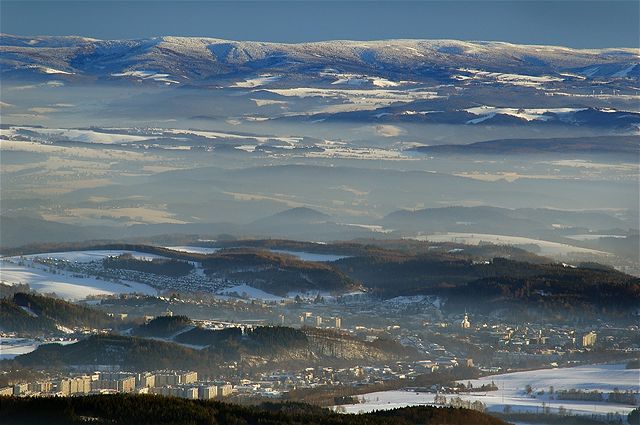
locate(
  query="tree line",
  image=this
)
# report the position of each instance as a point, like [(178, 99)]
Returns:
[(120, 409)]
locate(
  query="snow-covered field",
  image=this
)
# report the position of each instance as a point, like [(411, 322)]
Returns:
[(512, 391), (66, 286), (367, 153), (246, 291), (591, 237), (194, 249), (532, 114), (258, 81), (86, 256), (506, 78), (310, 256), (224, 135), (15, 270), (305, 256), (76, 135), (546, 247), (148, 75), (591, 377), (11, 347), (360, 80), (41, 278), (359, 99), (117, 136)]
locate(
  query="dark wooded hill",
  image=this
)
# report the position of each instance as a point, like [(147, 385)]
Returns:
[(271, 344), (30, 313)]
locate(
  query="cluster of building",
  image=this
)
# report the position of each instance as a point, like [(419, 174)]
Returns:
[(271, 384), (168, 383), (195, 281), (445, 339), (418, 321), (442, 341), (367, 317), (308, 318)]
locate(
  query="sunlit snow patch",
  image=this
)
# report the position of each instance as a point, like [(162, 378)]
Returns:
[(511, 391), (249, 292), (12, 347), (147, 75), (528, 114), (194, 249), (257, 81)]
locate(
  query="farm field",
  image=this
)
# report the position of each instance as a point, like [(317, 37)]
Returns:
[(511, 391)]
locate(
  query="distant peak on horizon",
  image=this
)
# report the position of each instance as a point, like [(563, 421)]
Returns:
[(32, 41)]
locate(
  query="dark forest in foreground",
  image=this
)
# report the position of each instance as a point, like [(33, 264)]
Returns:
[(142, 409)]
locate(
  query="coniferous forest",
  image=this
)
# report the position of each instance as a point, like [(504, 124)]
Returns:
[(146, 410)]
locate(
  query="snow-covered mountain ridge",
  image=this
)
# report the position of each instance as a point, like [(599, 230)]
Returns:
[(196, 60)]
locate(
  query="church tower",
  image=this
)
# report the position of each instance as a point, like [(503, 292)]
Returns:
[(465, 323)]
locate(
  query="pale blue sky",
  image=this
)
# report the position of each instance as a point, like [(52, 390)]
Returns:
[(572, 23)]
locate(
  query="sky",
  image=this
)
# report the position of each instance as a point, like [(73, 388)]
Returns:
[(573, 23)]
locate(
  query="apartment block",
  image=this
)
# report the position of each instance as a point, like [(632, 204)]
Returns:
[(207, 392)]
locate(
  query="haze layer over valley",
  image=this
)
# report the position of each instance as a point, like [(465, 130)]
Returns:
[(126, 138)]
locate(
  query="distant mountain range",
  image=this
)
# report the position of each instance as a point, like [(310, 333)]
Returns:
[(523, 218), (304, 223), (294, 216), (405, 81), (195, 60), (417, 112), (627, 145)]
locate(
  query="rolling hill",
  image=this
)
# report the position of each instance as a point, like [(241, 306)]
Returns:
[(275, 345), (36, 314)]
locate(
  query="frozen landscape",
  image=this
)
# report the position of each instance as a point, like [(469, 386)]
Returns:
[(58, 273), (511, 391), (67, 285), (546, 247), (11, 347), (261, 212)]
